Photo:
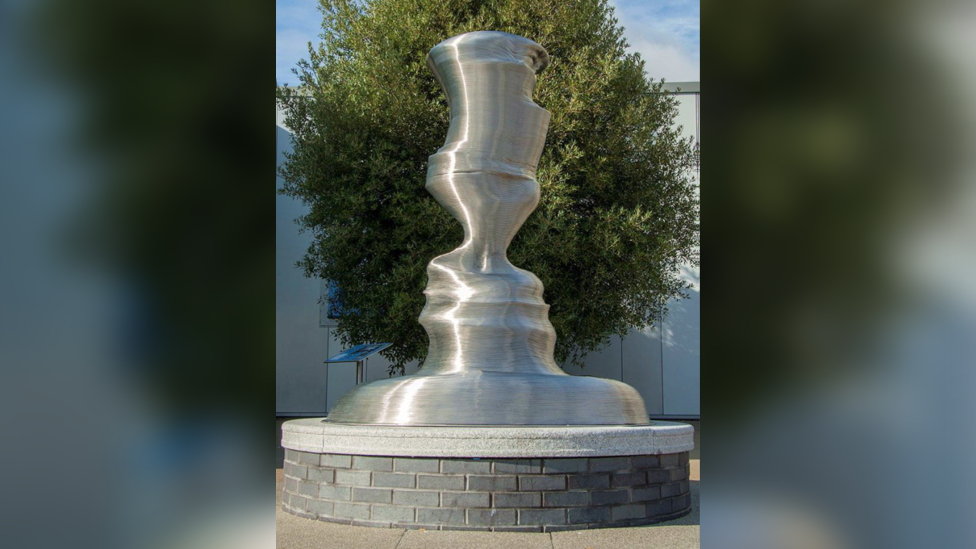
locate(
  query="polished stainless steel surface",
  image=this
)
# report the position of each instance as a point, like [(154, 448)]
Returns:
[(491, 344)]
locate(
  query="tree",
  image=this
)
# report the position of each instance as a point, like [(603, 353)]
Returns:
[(619, 211)]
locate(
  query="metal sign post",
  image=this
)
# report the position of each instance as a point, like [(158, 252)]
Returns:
[(360, 355)]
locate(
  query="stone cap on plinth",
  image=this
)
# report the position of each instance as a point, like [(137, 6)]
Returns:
[(658, 438)]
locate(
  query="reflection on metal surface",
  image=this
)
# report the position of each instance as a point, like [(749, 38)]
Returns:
[(491, 344)]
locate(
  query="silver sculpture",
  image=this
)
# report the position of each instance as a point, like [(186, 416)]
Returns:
[(491, 344)]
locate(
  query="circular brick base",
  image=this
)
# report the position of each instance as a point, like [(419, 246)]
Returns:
[(501, 495)]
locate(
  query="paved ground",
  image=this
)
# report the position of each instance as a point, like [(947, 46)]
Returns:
[(298, 533)]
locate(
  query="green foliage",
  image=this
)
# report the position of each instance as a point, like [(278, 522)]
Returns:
[(619, 210)]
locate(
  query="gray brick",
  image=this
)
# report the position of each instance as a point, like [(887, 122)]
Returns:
[(336, 520), (394, 514), (646, 462), (308, 489), (465, 499), (292, 455), (415, 526), (322, 476), (555, 466), (285, 500), (652, 493), (395, 480), (518, 467), (492, 517), (372, 495), (684, 458), (371, 524), (440, 482), (304, 514), (589, 482), (685, 486), (517, 501), (296, 471), (353, 478), (541, 483), (355, 511), (523, 529), (322, 508), (609, 465), (671, 490), (613, 497), (542, 516), (565, 499), (621, 480), (659, 508), (304, 458), (372, 463), (449, 527), (297, 502), (591, 515), (681, 473), (416, 499), (336, 461), (406, 465), (492, 483), (568, 528), (681, 503), (441, 516), (629, 512), (661, 476), (670, 460), (463, 466), (291, 485), (335, 493)]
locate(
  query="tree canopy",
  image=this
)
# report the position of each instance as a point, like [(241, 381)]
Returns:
[(619, 213)]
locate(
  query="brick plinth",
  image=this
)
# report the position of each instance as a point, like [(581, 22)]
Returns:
[(523, 495)]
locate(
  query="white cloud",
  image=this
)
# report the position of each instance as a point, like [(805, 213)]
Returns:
[(290, 47), (667, 34), (667, 61), (297, 22)]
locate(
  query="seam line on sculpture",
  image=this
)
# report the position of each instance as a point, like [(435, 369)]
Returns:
[(510, 175)]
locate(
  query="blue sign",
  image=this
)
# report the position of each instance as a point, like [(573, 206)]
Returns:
[(361, 352)]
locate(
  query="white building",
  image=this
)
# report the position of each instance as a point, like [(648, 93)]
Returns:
[(664, 365)]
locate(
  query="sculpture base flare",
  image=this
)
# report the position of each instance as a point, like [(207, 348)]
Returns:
[(488, 398)]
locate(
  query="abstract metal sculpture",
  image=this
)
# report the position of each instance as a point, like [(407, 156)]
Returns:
[(490, 360)]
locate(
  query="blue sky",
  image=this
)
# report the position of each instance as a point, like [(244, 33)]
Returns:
[(667, 34)]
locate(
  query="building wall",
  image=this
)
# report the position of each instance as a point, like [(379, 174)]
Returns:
[(663, 364), (300, 344)]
